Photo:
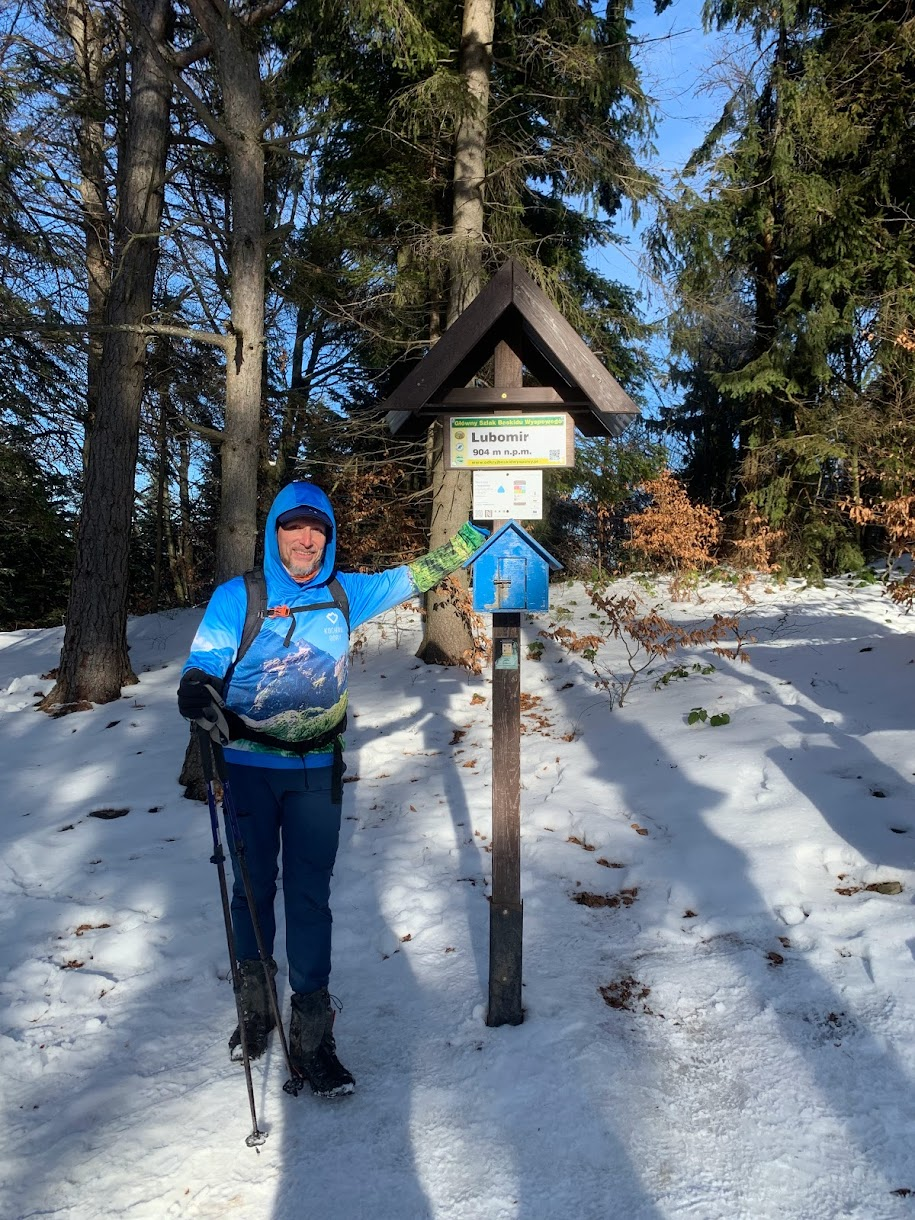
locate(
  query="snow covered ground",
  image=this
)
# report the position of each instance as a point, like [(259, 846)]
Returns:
[(730, 1036)]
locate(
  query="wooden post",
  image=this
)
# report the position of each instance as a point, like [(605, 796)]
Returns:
[(505, 911), (506, 368)]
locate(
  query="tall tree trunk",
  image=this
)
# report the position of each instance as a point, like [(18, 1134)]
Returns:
[(84, 26), (466, 246), (94, 664), (186, 559), (161, 494), (447, 638), (763, 418), (238, 70)]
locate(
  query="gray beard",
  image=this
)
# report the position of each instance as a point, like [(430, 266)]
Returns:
[(299, 571)]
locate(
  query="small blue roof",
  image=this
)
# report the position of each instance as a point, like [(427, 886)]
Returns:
[(520, 536)]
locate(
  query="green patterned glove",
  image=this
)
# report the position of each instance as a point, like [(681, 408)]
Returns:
[(431, 568)]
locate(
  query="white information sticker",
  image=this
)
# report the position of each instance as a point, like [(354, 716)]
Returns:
[(508, 493)]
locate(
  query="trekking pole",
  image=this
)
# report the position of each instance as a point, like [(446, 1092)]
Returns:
[(295, 1083), (217, 726), (218, 858)]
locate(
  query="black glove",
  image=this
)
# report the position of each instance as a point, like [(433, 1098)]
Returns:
[(194, 700)]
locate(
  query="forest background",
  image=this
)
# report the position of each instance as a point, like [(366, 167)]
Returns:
[(228, 230)]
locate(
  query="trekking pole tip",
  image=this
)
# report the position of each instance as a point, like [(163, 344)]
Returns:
[(256, 1138)]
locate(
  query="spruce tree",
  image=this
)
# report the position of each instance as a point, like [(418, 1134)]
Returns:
[(804, 181)]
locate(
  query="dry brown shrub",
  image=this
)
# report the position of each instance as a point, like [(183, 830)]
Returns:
[(380, 519), (903, 591), (896, 517), (647, 637), (673, 533), (753, 551)]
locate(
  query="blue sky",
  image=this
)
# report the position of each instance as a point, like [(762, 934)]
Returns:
[(673, 58)]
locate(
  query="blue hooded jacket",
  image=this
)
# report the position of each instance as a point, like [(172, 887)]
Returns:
[(296, 690)]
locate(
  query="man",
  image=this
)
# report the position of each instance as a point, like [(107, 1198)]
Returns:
[(285, 703)]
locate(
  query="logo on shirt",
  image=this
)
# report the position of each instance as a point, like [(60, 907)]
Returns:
[(333, 627)]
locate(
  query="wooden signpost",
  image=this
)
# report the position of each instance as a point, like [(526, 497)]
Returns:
[(505, 910), (513, 323)]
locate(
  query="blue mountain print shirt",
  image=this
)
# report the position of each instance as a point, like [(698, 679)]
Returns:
[(297, 690)]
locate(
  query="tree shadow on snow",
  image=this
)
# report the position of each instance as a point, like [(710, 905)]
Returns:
[(724, 926)]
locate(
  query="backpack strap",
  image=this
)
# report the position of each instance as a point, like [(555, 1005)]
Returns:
[(255, 612), (338, 593)]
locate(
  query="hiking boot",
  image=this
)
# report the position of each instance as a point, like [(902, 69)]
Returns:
[(312, 1050), (256, 1009)]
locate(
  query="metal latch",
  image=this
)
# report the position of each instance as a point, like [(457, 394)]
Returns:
[(502, 586)]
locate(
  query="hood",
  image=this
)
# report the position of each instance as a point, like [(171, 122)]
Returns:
[(280, 584)]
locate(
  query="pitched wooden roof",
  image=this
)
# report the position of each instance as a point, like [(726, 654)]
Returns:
[(511, 309), (511, 530)]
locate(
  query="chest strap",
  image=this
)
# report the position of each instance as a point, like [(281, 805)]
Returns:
[(291, 611)]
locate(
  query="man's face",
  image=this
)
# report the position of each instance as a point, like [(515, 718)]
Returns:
[(301, 544)]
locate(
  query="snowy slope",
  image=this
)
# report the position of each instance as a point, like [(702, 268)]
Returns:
[(751, 1054)]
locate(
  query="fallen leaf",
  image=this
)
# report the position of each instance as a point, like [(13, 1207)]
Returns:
[(639, 830), (625, 993), (624, 898)]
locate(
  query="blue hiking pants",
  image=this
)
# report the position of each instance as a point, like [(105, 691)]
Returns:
[(290, 810)]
